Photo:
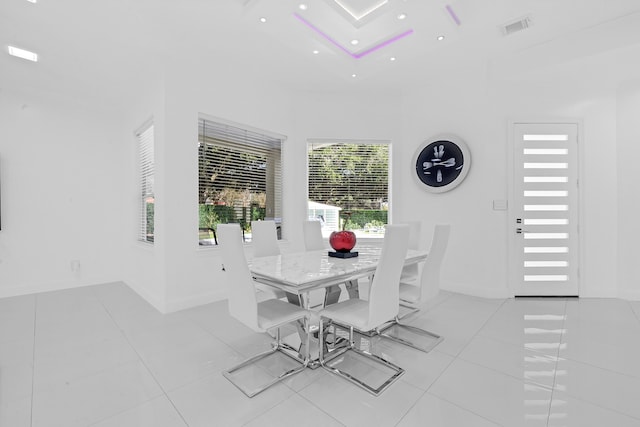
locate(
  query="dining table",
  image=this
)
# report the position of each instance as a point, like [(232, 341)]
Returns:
[(300, 273)]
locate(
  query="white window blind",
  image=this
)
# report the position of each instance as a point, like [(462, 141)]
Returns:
[(353, 176), (239, 176), (146, 168)]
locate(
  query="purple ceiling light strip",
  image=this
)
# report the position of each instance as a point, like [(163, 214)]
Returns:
[(319, 31), (383, 44), (344, 49), (453, 15)]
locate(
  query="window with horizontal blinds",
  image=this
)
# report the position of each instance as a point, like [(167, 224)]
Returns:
[(351, 178), (146, 175), (239, 177)]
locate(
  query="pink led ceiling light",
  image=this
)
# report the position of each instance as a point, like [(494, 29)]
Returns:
[(356, 55), (452, 14)]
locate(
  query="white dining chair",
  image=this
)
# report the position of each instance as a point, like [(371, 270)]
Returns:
[(313, 241), (411, 273), (415, 295), (312, 233), (367, 315), (427, 288), (264, 240), (259, 316)]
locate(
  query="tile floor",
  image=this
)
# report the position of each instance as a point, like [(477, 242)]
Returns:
[(101, 356)]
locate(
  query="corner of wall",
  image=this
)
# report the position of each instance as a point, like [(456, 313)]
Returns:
[(157, 302)]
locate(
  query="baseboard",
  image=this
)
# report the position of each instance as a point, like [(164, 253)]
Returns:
[(29, 289), (598, 294), (629, 294), (194, 301), (474, 290)]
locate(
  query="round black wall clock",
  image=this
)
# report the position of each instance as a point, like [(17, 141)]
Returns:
[(442, 162)]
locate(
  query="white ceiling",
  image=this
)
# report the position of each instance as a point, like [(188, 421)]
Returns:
[(102, 50)]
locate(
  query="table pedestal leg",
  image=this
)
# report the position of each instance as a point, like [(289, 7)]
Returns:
[(294, 299), (352, 289), (332, 295)]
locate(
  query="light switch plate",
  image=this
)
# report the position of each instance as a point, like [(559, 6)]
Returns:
[(500, 205)]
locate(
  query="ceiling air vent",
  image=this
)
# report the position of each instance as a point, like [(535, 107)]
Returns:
[(516, 26)]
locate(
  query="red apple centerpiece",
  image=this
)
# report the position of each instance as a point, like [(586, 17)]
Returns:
[(344, 240)]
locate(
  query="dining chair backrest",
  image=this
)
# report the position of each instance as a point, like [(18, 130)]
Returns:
[(243, 304), (411, 273), (384, 290), (264, 238), (312, 232), (414, 234), (430, 278)]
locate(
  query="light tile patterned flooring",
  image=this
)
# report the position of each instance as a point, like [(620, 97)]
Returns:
[(101, 356)]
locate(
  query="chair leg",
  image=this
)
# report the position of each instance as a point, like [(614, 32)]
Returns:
[(434, 339), (278, 346), (323, 345), (397, 371), (412, 310)]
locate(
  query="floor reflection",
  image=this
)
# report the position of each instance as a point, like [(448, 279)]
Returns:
[(542, 338)]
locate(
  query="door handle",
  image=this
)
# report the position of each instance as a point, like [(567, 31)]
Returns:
[(519, 230)]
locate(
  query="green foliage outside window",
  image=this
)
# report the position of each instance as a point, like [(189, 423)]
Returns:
[(212, 215), (150, 214), (365, 219), (350, 176), (354, 177)]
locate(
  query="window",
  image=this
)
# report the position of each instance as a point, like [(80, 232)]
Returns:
[(146, 165), (239, 177), (349, 180)]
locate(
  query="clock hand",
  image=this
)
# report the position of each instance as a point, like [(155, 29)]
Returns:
[(449, 162)]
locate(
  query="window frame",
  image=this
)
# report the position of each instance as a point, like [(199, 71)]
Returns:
[(335, 141), (145, 147), (257, 143)]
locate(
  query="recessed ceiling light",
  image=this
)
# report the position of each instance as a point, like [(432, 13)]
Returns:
[(355, 42), (393, 58), (356, 55), (315, 52), (440, 38), (354, 75), (32, 1), (263, 19), (24, 54), (402, 16), (302, 6)]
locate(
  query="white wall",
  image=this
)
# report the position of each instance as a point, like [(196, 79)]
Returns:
[(192, 274), (476, 109), (145, 264), (628, 174), (334, 115), (61, 168), (479, 111), (476, 254), (60, 204)]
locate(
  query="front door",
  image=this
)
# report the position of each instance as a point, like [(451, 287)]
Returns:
[(545, 209)]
